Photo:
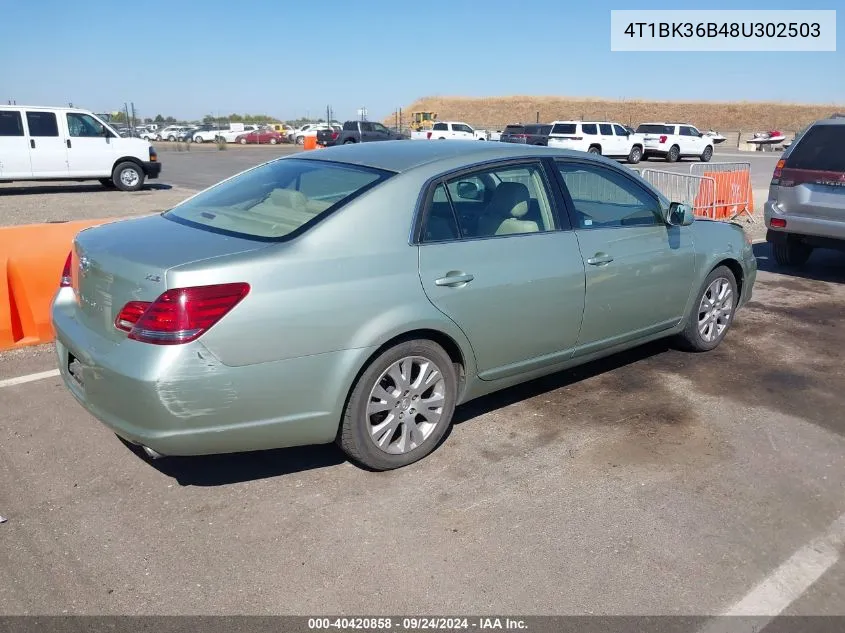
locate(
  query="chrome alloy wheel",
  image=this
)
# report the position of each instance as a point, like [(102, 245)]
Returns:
[(129, 177), (715, 309), (406, 405)]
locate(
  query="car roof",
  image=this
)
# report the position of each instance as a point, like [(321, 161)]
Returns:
[(405, 155), (830, 121)]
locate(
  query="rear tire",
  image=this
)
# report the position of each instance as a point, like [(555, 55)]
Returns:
[(358, 434), (635, 155), (128, 176), (714, 308), (674, 154), (594, 149), (348, 141), (791, 252)]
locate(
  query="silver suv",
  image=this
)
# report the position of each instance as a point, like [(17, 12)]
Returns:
[(806, 205)]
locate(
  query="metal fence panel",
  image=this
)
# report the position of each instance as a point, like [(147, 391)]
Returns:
[(699, 192)]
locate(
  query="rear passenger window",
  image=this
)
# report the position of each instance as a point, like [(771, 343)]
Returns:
[(440, 224), (589, 128), (11, 123), (515, 201), (606, 129), (42, 124)]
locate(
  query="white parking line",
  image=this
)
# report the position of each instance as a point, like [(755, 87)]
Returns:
[(20, 380), (785, 584)]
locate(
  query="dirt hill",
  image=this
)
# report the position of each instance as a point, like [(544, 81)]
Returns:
[(496, 112)]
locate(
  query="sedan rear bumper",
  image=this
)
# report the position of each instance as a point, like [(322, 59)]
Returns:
[(181, 400)]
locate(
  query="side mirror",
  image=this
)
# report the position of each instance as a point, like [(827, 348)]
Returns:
[(679, 214)]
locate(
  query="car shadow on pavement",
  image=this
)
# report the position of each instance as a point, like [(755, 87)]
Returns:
[(232, 468), (539, 386), (823, 265), (30, 190)]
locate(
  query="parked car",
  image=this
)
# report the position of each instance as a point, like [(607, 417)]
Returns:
[(805, 208), (47, 143), (170, 133), (261, 137), (206, 133), (453, 130), (187, 134), (258, 314), (528, 134), (673, 141), (357, 132), (231, 135), (607, 138)]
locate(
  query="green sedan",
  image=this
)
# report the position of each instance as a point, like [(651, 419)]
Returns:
[(358, 294)]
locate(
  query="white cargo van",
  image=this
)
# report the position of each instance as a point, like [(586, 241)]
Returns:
[(45, 143)]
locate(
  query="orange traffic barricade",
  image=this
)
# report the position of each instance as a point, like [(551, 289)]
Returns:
[(309, 142), (31, 261)]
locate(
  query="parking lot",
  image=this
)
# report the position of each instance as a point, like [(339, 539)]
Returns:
[(652, 482)]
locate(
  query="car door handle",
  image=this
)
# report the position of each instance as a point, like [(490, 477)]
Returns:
[(454, 279), (600, 259), (68, 143), (32, 143)]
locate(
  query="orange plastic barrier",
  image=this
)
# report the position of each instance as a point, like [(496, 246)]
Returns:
[(309, 142), (31, 262), (734, 195)]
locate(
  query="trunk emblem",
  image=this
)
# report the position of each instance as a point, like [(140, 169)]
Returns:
[(152, 277)]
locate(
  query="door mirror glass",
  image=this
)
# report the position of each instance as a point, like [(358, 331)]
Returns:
[(679, 214)]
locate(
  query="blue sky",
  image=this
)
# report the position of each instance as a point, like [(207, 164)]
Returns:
[(187, 58)]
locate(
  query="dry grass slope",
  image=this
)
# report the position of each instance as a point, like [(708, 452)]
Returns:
[(496, 112)]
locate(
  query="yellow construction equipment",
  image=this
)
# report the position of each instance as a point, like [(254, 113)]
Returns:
[(422, 120)]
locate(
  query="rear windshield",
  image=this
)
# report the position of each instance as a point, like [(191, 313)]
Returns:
[(563, 128), (275, 199), (821, 148), (514, 129), (538, 129), (653, 129), (350, 125)]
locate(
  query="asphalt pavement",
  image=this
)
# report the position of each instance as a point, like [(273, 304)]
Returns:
[(652, 482)]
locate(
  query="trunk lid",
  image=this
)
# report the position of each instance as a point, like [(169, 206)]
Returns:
[(128, 261)]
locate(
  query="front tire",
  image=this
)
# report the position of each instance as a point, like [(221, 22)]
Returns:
[(791, 252), (198, 139), (128, 176), (707, 154), (635, 155), (300, 140), (400, 407), (713, 311)]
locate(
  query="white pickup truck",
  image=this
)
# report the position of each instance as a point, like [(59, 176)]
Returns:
[(443, 130)]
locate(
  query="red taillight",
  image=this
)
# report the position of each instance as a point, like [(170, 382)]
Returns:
[(179, 315), (778, 223), (335, 135), (67, 280), (778, 171), (428, 135), (130, 314), (663, 138)]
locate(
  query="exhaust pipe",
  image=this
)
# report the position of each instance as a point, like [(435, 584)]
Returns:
[(151, 453)]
